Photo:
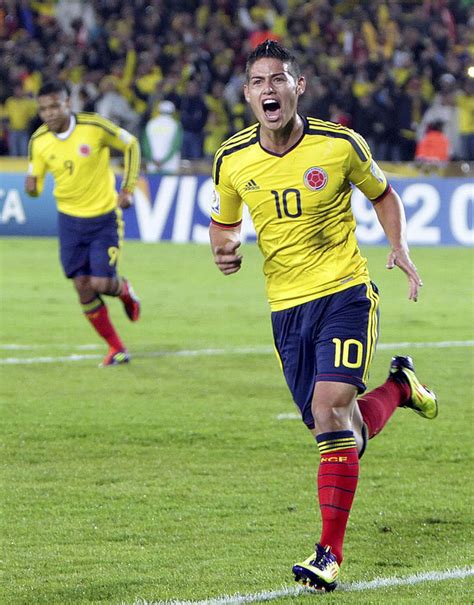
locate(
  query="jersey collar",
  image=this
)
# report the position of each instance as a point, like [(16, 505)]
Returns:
[(281, 155), (64, 135)]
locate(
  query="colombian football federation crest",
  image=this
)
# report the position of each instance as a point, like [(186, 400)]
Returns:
[(315, 178), (84, 150)]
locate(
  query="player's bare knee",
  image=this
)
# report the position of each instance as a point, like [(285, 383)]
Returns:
[(83, 288), (332, 406), (331, 418), (102, 285)]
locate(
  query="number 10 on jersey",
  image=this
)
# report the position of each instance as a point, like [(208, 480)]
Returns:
[(288, 203), (344, 350)]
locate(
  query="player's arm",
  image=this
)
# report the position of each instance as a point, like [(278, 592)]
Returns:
[(224, 244), (391, 216), (124, 141), (31, 186), (36, 171), (226, 219), (369, 178)]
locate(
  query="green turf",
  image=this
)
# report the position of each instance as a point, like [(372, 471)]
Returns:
[(173, 479)]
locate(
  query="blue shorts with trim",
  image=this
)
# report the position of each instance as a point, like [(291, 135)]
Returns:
[(90, 246), (327, 339)]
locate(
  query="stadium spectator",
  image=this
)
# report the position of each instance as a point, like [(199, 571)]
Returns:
[(318, 100), (148, 76), (324, 322), (433, 148), (384, 103), (215, 132), (465, 106), (114, 106), (410, 108), (75, 149), (76, 18), (193, 115), (261, 33), (18, 111), (444, 110), (368, 121), (162, 139), (173, 88)]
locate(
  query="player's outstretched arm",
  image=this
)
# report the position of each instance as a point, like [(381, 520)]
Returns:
[(391, 216), (121, 139), (131, 169), (224, 245)]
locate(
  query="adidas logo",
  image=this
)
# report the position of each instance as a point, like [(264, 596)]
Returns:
[(251, 186)]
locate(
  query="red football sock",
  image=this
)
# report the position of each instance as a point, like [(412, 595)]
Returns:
[(96, 312), (337, 481), (378, 406)]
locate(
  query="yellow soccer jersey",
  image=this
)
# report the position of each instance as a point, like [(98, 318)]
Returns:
[(84, 181), (300, 204)]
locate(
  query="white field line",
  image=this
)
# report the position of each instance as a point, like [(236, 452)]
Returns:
[(289, 416), (182, 353), (18, 347), (378, 583), (263, 350)]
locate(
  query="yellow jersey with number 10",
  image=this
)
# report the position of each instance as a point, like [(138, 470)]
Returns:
[(84, 183), (300, 204)]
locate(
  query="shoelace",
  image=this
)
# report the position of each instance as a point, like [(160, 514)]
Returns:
[(323, 558)]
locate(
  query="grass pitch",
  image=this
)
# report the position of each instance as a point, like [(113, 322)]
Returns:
[(173, 478)]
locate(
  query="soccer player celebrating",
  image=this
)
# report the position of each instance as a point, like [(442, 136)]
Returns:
[(295, 174), (75, 148)]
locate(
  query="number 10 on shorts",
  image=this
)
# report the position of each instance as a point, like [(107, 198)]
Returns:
[(345, 350)]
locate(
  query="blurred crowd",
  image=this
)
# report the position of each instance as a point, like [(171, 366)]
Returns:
[(171, 71)]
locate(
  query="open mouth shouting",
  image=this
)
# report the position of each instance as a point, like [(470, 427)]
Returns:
[(271, 109)]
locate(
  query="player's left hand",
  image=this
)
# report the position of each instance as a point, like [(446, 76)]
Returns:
[(227, 258), (31, 186), (400, 258), (125, 199)]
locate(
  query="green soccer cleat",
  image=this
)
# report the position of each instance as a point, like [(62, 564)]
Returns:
[(422, 400), (115, 358), (320, 570)]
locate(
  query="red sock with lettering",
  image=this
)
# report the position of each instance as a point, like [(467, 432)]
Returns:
[(96, 312), (378, 405), (337, 481)]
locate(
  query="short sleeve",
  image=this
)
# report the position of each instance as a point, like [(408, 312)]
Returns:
[(36, 163), (124, 141), (227, 205), (365, 173)]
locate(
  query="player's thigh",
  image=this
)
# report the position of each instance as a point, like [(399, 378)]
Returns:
[(292, 332), (347, 337), (73, 246), (105, 246)]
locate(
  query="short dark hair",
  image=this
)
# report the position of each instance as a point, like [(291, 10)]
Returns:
[(53, 87), (270, 49)]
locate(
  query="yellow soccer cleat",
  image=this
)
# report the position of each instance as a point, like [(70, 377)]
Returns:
[(115, 358), (422, 400), (320, 570)]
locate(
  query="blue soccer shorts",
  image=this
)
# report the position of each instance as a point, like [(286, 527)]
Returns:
[(328, 339), (90, 246)]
